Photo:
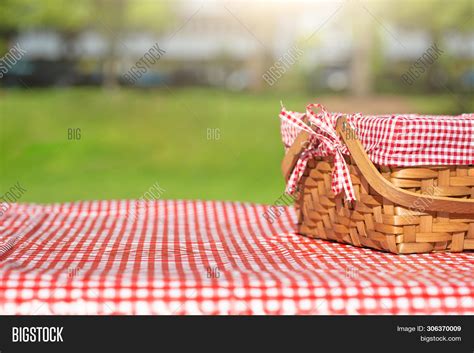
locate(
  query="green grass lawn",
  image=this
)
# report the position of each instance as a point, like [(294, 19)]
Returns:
[(131, 139)]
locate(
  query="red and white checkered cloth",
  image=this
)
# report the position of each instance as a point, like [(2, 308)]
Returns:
[(391, 140), (195, 257)]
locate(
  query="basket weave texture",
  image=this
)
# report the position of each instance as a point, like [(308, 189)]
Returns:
[(420, 209), (374, 221)]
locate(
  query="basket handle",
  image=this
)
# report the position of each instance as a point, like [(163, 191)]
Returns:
[(390, 191)]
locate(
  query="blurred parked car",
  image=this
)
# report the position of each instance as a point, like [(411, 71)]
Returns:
[(149, 79), (467, 79), (41, 73)]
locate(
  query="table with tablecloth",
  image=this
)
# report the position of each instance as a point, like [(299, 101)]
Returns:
[(208, 257)]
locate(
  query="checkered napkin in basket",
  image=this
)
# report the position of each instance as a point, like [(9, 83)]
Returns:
[(194, 257), (390, 140)]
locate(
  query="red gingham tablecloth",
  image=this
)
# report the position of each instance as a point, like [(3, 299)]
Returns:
[(196, 257)]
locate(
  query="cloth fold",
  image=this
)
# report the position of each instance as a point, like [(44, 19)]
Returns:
[(390, 140), (322, 129)]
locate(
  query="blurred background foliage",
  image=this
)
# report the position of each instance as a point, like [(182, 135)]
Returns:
[(202, 121)]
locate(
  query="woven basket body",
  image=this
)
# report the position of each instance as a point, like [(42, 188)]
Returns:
[(376, 222), (409, 214)]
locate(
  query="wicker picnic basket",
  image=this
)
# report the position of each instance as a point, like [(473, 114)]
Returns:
[(402, 210)]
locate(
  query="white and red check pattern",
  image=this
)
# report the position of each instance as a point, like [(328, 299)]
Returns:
[(391, 140), (324, 135), (196, 257)]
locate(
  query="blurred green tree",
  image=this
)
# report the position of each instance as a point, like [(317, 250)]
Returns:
[(66, 16), (437, 17), (69, 18), (114, 17), (368, 18)]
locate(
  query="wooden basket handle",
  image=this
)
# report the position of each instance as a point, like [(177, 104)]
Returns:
[(387, 189)]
